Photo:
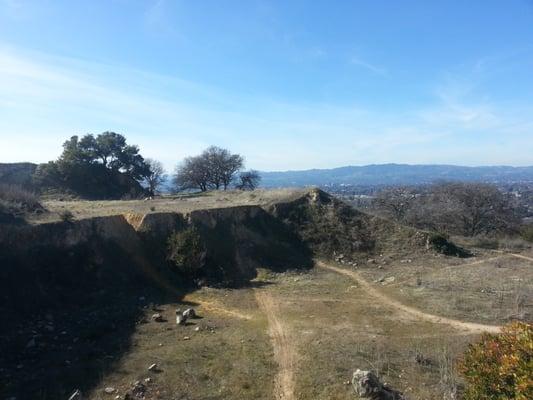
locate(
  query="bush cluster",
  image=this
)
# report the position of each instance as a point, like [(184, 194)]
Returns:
[(500, 366), (187, 251), (441, 244), (15, 199), (527, 232)]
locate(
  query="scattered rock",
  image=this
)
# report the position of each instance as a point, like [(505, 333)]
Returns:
[(371, 261), (189, 313), (109, 390), (340, 258), (388, 280), (197, 329), (157, 317), (186, 338), (138, 390), (31, 343), (180, 319), (153, 367), (368, 386), (76, 395), (148, 380)]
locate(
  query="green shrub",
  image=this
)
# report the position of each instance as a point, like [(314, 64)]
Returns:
[(66, 216), (527, 232), (500, 367), (187, 250), (441, 244)]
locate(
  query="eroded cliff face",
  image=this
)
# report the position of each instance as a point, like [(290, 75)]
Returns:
[(49, 265)]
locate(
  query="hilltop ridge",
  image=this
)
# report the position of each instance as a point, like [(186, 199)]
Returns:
[(397, 174)]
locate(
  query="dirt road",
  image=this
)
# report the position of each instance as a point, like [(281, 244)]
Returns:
[(367, 287), (284, 352)]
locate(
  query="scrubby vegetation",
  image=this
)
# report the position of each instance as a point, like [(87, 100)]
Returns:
[(500, 367), (186, 250), (527, 232), (327, 224), (466, 209), (66, 216), (442, 245), (15, 201)]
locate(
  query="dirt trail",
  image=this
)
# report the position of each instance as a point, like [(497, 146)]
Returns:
[(521, 256), (367, 287), (218, 308), (284, 352)]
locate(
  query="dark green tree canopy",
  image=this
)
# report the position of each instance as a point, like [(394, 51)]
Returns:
[(101, 166), (109, 149)]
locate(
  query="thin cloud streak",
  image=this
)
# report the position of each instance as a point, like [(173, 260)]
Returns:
[(370, 67)]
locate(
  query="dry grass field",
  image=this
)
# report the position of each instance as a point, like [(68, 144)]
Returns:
[(300, 335), (180, 203)]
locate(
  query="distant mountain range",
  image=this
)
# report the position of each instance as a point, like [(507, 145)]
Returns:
[(396, 174), (367, 175)]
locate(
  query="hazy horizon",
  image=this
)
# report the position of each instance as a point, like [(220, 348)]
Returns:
[(290, 86)]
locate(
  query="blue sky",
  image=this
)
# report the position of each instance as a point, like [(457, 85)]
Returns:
[(289, 84)]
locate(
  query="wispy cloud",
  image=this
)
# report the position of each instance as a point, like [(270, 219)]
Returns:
[(13, 9), (368, 66), (157, 18)]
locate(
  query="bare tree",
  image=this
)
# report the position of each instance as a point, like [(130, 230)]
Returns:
[(468, 209), (249, 180), (395, 202), (154, 176), (475, 208), (192, 173), (222, 166), (214, 168)]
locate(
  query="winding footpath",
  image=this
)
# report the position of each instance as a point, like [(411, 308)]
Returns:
[(384, 299)]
